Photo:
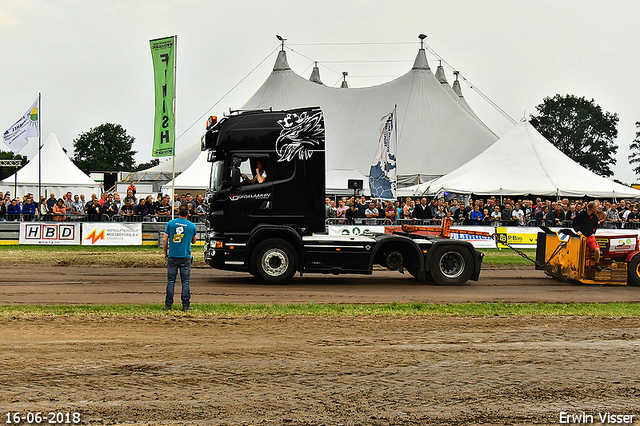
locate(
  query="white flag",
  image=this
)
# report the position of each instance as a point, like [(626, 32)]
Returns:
[(16, 137), (382, 175)]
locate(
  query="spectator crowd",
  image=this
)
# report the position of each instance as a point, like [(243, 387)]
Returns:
[(108, 207), (487, 212)]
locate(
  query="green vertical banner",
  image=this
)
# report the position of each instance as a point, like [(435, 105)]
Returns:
[(163, 55)]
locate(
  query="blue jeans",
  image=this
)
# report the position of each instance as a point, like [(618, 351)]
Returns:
[(173, 264)]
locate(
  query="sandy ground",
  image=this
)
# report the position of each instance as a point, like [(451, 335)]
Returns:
[(179, 370)]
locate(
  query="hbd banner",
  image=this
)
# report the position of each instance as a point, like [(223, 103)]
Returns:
[(49, 233)]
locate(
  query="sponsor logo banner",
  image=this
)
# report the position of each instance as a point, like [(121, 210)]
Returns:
[(354, 229), (111, 234), (49, 233)]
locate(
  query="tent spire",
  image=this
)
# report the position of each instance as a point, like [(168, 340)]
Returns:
[(344, 80), (440, 74), (315, 74), (282, 40)]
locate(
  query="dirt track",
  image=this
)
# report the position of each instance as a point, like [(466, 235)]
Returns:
[(64, 285), (313, 371)]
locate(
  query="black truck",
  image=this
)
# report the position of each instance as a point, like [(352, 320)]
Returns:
[(266, 215)]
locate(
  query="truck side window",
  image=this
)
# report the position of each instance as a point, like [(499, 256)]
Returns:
[(257, 174)]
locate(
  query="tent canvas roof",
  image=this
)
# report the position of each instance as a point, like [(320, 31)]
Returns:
[(525, 162), (435, 133), (163, 171), (196, 176)]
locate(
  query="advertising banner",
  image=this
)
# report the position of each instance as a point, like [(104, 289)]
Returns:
[(478, 241), (163, 55), (520, 237), (49, 233), (111, 234)]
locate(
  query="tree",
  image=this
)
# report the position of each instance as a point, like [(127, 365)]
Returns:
[(104, 148), (144, 166), (6, 171), (634, 147), (579, 128)]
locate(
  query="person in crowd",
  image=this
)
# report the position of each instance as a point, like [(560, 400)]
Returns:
[(361, 207), (542, 216), (141, 211), (486, 216), (351, 214), (68, 201), (332, 213), (341, 210), (127, 211), (28, 210), (43, 209), (422, 211), (131, 197), (475, 216), (327, 206), (108, 207), (633, 219), (556, 217), (496, 214), (518, 215), (625, 214), (94, 211), (507, 214), (51, 201), (390, 212), (132, 188), (77, 207), (82, 200), (466, 212), (164, 210), (117, 203), (440, 214), (602, 216), (13, 211), (199, 214), (586, 223), (3, 210), (372, 212), (59, 211), (152, 210), (380, 209)]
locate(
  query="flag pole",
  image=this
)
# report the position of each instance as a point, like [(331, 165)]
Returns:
[(39, 151), (173, 156)]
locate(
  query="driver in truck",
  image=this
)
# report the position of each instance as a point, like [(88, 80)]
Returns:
[(260, 175)]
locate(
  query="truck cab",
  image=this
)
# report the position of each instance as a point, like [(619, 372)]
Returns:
[(265, 208)]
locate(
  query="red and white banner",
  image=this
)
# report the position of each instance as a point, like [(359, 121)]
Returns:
[(49, 233)]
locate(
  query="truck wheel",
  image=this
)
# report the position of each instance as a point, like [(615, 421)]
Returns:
[(451, 265), (633, 271), (274, 261)]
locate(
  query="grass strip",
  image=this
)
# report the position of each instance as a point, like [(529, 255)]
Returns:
[(332, 309), (151, 256)]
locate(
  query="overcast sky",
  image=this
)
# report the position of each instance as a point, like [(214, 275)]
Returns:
[(92, 63)]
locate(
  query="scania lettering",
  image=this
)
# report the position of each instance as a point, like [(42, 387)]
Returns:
[(276, 228)]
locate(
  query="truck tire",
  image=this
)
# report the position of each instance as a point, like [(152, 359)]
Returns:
[(633, 271), (451, 265), (274, 261)]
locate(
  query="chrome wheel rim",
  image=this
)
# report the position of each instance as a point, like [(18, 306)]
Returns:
[(275, 262), (452, 264)]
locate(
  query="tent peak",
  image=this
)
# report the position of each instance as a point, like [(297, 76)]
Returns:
[(315, 74), (281, 62), (440, 75), (421, 62)]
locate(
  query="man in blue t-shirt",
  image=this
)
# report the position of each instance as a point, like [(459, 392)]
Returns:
[(178, 236)]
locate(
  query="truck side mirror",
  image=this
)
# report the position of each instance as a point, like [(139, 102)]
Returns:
[(235, 177)]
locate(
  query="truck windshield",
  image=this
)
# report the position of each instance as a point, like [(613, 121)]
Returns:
[(217, 175)]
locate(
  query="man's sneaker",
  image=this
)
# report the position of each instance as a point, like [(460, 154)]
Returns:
[(167, 307), (597, 267), (187, 308)]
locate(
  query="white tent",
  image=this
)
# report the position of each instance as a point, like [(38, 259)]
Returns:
[(196, 177), (59, 174), (435, 133), (524, 162), (163, 171)]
